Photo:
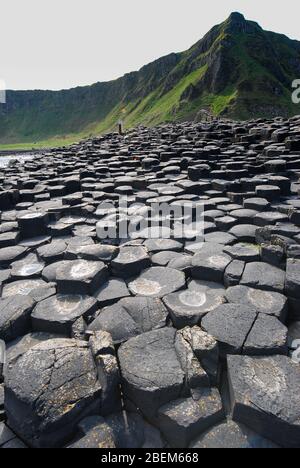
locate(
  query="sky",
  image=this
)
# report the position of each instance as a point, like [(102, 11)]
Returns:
[(59, 44)]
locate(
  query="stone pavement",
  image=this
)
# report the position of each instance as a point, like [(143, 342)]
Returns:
[(123, 330)]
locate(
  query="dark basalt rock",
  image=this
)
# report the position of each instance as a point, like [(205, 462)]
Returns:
[(74, 285), (21, 345), (182, 420), (268, 337), (234, 273), (49, 389), (265, 302), (58, 313), (37, 289), (32, 225), (81, 276), (244, 232), (130, 262), (243, 252), (210, 263), (187, 307), (272, 254), (9, 255), (264, 398), (111, 292), (53, 252), (230, 435), (161, 245), (29, 267), (157, 282), (15, 317), (260, 275), (230, 325), (151, 371), (130, 317)]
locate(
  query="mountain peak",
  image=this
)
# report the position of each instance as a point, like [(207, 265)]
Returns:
[(236, 17), (236, 23)]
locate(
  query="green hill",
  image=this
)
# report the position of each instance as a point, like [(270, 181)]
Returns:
[(237, 70)]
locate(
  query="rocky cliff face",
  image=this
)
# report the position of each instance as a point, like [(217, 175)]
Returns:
[(237, 70)]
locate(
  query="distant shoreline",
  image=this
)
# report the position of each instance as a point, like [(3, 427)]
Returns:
[(20, 151)]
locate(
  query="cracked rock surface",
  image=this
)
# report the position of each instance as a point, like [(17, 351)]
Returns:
[(125, 328)]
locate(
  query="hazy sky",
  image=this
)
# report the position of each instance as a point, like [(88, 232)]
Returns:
[(54, 44)]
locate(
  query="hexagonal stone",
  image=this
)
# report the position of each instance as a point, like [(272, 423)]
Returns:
[(95, 252), (111, 292), (244, 215), (160, 245), (272, 254), (264, 397), (49, 272), (164, 258), (157, 282), (100, 437), (28, 267), (184, 263), (211, 215), (225, 223), (52, 252), (210, 263), (151, 371), (182, 420), (270, 192), (230, 435), (292, 284), (230, 325), (58, 313), (36, 289), (49, 389), (32, 224), (80, 277), (265, 302), (243, 252), (196, 377), (263, 276), (80, 241), (206, 350), (11, 254), (244, 232), (8, 239), (269, 218), (268, 337), (234, 273), (130, 317), (15, 317), (130, 261), (223, 238), (35, 242), (187, 307), (24, 343), (258, 204)]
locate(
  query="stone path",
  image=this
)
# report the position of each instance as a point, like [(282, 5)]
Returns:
[(124, 330)]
